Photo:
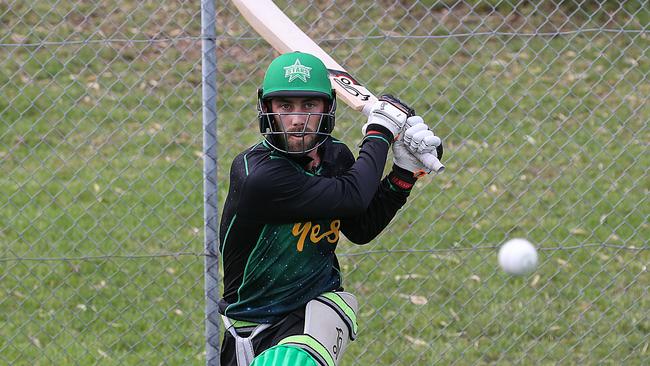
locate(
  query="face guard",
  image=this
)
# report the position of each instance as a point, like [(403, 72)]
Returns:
[(298, 75), (295, 140)]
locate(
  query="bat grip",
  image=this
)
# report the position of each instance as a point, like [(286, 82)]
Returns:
[(367, 109), (431, 162)]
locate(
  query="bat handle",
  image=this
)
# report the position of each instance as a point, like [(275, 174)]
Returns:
[(367, 108), (431, 162)]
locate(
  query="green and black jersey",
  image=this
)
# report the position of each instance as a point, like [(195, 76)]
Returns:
[(281, 223)]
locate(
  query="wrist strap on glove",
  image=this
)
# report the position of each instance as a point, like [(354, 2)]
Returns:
[(377, 130), (402, 178)]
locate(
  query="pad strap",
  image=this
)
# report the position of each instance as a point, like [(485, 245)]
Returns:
[(243, 345)]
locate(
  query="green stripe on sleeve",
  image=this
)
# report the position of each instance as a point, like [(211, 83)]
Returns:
[(225, 239), (377, 137)]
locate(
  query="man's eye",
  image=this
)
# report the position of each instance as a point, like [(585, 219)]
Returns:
[(310, 105)]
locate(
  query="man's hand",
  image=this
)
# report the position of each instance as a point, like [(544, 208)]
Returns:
[(416, 140), (390, 113), (419, 139)]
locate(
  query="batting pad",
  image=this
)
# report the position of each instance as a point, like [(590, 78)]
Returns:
[(284, 355)]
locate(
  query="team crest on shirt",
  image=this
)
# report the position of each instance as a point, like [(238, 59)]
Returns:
[(297, 71)]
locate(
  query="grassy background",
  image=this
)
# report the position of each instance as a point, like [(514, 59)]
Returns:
[(546, 138)]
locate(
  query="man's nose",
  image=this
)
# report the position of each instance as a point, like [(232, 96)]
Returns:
[(297, 119)]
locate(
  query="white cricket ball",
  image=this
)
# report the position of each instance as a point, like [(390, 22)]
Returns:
[(518, 257)]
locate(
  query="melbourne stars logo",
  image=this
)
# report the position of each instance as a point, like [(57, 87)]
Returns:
[(297, 71)]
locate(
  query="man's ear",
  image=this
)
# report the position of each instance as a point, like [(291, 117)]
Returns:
[(264, 105)]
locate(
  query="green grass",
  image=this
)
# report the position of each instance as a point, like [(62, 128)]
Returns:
[(545, 138)]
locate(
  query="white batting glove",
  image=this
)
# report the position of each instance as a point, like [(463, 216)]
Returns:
[(418, 138), (415, 144), (386, 114), (404, 159)]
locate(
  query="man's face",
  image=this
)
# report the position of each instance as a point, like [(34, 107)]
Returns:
[(295, 121)]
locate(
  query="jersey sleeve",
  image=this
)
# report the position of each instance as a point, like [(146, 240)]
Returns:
[(278, 190), (390, 197)]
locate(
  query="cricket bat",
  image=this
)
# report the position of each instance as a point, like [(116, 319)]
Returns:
[(284, 36)]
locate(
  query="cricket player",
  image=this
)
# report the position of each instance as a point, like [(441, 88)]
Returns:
[(291, 197)]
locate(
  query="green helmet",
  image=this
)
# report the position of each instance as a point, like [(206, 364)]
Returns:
[(296, 75)]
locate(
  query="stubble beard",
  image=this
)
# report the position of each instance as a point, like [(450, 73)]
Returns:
[(298, 141)]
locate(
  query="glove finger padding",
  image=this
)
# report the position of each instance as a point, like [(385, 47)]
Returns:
[(415, 150), (428, 142), (410, 132), (432, 140), (419, 139), (419, 142), (413, 120)]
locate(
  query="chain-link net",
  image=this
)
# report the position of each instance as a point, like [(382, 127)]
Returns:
[(543, 108), (544, 112), (100, 210)]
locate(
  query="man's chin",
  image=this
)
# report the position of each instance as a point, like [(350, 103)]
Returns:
[(297, 146)]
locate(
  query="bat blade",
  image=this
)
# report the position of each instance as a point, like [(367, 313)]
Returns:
[(281, 33), (284, 36)]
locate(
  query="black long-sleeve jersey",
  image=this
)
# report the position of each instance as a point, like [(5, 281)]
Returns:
[(281, 223)]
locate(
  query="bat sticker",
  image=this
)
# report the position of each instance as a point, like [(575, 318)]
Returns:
[(348, 83)]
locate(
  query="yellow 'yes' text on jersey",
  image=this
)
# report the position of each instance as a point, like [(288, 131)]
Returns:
[(303, 229)]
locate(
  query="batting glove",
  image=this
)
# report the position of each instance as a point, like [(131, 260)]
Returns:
[(419, 139), (416, 141), (390, 113)]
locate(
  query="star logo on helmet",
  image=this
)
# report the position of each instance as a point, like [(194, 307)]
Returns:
[(297, 71)]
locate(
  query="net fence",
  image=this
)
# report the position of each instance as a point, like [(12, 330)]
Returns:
[(107, 172)]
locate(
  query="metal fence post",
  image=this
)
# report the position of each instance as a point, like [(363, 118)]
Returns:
[(209, 105)]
